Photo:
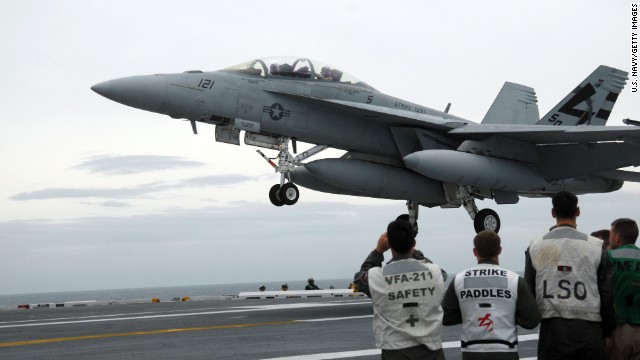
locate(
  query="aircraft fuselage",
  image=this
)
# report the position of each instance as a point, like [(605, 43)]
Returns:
[(395, 149)]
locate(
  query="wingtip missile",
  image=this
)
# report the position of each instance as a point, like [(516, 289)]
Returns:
[(631, 122)]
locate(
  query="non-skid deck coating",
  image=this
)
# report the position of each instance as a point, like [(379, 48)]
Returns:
[(316, 328)]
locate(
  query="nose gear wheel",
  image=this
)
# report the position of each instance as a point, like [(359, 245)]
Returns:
[(273, 195), (287, 193)]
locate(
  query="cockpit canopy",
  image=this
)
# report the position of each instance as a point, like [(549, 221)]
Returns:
[(291, 67)]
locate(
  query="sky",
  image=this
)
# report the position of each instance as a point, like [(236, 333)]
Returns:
[(97, 195)]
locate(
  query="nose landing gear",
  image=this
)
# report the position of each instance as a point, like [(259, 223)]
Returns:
[(287, 193)]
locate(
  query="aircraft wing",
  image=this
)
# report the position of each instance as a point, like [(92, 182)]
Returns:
[(621, 175), (590, 149), (464, 129), (548, 134), (393, 117)]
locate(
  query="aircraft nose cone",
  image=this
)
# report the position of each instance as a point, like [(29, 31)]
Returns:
[(146, 92), (104, 88)]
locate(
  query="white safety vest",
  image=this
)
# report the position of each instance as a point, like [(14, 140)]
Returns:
[(406, 298), (487, 295), (566, 263)]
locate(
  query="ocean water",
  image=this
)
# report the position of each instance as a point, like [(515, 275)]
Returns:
[(163, 293)]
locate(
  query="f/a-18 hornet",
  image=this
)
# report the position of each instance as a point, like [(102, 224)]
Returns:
[(396, 149)]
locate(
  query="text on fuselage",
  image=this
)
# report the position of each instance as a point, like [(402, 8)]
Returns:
[(408, 107)]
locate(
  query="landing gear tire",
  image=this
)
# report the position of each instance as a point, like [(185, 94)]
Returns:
[(273, 195), (486, 219), (289, 193)]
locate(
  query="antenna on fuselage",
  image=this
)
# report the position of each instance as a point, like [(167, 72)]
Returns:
[(446, 110)]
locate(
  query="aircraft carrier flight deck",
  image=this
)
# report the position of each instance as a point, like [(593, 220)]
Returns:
[(290, 328)]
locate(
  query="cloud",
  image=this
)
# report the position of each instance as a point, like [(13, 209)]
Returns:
[(196, 246), (74, 193), (217, 244), (114, 204), (134, 191), (216, 180), (134, 164)]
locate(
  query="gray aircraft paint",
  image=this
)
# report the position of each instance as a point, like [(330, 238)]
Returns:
[(398, 149)]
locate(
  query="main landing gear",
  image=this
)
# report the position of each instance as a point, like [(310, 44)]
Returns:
[(287, 193), (485, 219), (412, 209), (457, 195)]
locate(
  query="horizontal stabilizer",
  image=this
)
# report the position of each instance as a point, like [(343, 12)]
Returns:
[(565, 161), (621, 175), (515, 104), (537, 134)]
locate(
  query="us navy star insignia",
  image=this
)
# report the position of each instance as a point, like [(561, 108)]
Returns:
[(276, 111)]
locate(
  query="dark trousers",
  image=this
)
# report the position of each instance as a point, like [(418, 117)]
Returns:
[(466, 355), (568, 339), (415, 352)]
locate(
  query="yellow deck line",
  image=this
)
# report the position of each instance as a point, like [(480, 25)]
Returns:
[(138, 333)]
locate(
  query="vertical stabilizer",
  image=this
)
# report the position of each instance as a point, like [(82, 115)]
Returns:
[(591, 102), (515, 104)]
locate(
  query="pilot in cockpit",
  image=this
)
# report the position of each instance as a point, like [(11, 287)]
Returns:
[(325, 73), (336, 75), (274, 69)]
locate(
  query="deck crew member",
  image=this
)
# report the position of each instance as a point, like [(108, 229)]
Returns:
[(489, 301), (625, 256), (572, 278), (406, 293), (311, 285)]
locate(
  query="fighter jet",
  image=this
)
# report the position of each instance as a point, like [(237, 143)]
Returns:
[(395, 149)]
